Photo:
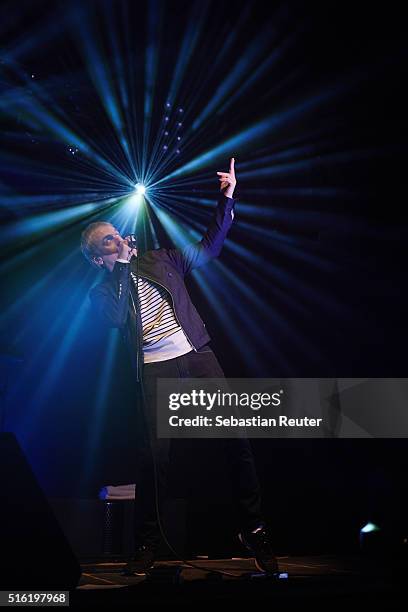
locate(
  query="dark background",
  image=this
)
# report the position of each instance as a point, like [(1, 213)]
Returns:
[(330, 274)]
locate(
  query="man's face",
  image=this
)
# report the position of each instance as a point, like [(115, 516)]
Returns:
[(106, 240)]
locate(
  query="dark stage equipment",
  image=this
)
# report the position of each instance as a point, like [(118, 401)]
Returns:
[(34, 551)]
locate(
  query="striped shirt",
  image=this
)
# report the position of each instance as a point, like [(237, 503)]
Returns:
[(163, 337)]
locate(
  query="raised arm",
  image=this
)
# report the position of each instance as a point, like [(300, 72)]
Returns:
[(199, 253)]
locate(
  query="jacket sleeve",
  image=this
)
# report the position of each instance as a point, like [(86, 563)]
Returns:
[(199, 253), (111, 300)]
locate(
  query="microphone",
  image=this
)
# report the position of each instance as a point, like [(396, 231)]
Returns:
[(132, 241)]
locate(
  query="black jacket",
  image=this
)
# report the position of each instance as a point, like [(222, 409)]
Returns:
[(115, 300)]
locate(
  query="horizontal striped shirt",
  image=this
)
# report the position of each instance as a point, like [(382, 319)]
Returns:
[(163, 337)]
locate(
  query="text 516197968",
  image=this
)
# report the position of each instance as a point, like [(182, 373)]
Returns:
[(34, 598)]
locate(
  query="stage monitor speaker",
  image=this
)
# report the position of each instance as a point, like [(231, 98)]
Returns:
[(34, 553)]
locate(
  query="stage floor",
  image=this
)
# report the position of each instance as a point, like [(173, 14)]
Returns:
[(331, 578)]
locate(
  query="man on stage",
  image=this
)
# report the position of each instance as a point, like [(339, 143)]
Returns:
[(146, 298)]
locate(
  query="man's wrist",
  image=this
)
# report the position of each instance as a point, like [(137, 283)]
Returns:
[(123, 261)]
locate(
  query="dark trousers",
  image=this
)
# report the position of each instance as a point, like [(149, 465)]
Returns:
[(237, 451)]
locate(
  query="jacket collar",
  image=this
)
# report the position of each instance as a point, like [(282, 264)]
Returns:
[(149, 267)]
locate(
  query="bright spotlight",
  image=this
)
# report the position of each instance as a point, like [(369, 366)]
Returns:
[(140, 189), (369, 528)]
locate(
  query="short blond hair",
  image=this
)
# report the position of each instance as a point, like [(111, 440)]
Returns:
[(87, 246)]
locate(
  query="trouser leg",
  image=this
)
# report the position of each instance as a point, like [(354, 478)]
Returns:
[(152, 463), (151, 490), (245, 484), (237, 451)]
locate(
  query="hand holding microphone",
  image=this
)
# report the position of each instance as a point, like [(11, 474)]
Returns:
[(128, 248)]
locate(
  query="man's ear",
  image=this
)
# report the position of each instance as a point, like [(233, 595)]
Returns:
[(98, 261)]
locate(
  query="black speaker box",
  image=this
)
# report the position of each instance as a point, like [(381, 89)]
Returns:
[(34, 553)]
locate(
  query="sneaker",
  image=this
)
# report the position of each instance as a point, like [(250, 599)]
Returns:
[(141, 562), (258, 542)]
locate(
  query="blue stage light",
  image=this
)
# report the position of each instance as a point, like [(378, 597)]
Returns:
[(369, 528), (140, 189)]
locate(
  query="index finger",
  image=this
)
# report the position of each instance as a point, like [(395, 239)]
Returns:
[(232, 162)]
